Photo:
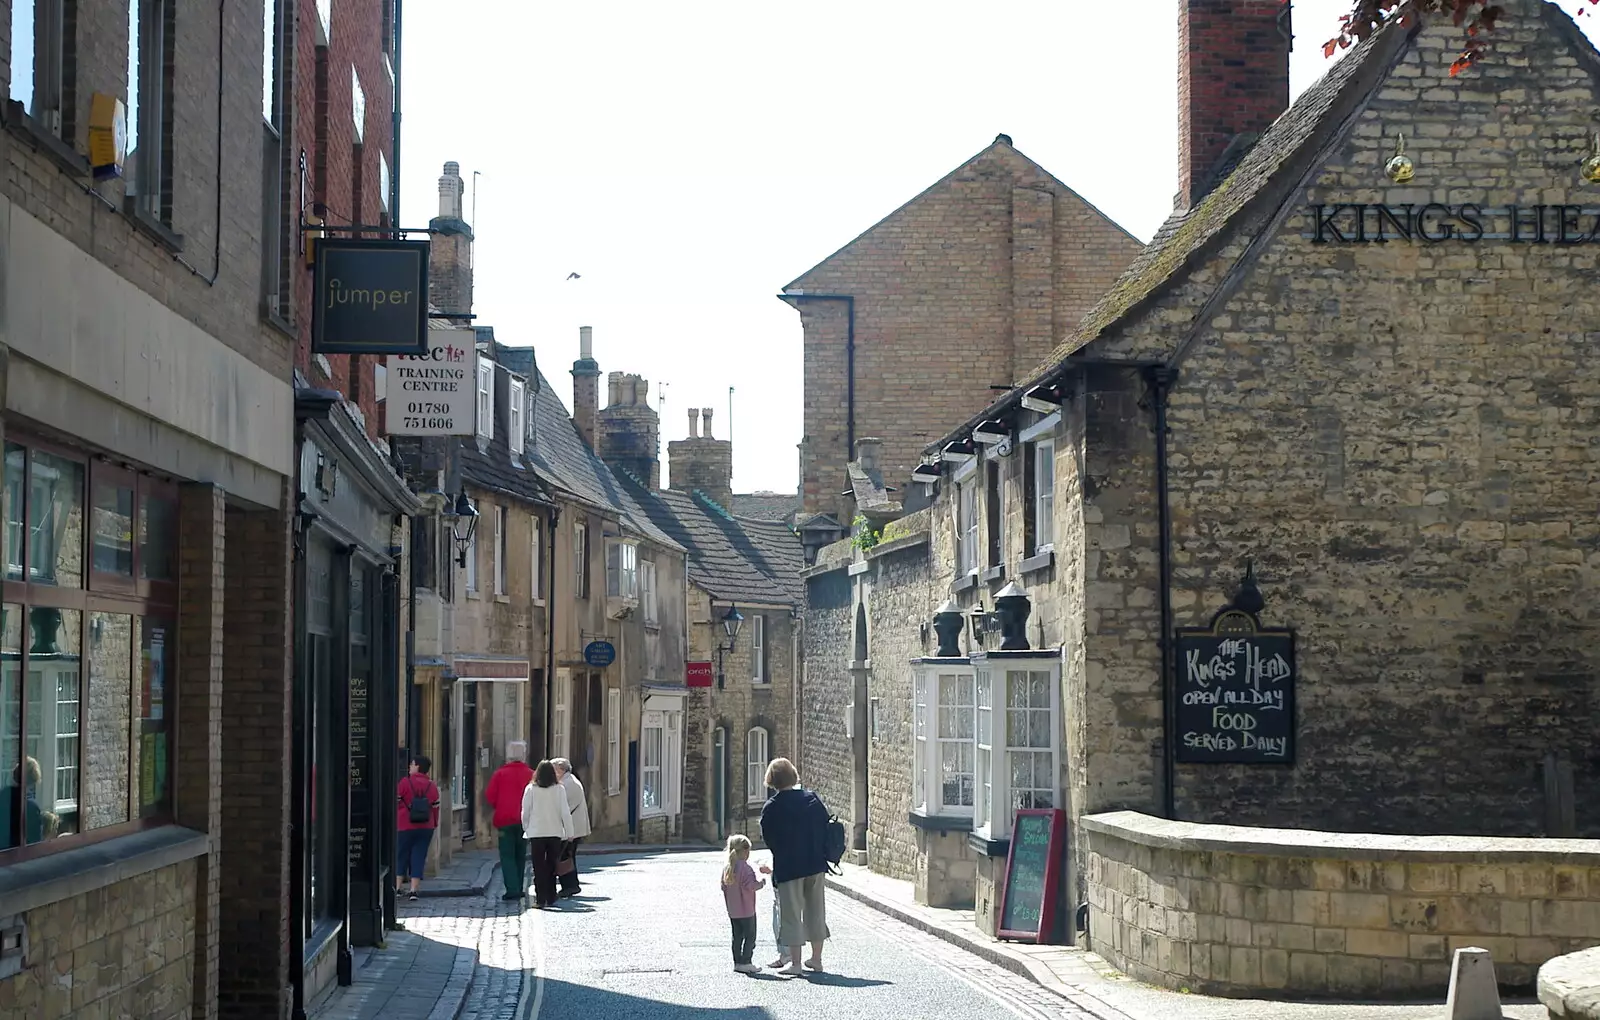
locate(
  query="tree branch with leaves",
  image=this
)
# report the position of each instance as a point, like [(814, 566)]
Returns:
[(1476, 17)]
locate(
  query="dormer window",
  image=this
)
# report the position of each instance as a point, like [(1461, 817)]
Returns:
[(517, 431), (486, 398)]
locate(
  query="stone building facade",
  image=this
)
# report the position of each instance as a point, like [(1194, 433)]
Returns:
[(974, 280), (1335, 395), (148, 419)]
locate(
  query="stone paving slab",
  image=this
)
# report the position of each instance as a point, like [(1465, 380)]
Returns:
[(1094, 986), (468, 874)]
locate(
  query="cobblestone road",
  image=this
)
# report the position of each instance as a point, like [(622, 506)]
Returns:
[(649, 939)]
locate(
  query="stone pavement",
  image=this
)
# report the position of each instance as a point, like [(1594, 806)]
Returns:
[(468, 874), (1094, 986)]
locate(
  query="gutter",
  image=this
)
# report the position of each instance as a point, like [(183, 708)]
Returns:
[(849, 357), (550, 632)]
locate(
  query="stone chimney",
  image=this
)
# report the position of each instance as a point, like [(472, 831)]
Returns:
[(867, 450), (629, 430), (1233, 81), (585, 386), (450, 254), (701, 462)]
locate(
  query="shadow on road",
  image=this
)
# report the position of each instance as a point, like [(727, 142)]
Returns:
[(840, 981), (560, 998)]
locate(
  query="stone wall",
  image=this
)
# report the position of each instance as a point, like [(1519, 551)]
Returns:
[(123, 950), (1225, 910), (825, 753)]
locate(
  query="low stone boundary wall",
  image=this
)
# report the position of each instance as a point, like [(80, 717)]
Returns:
[(1228, 910)]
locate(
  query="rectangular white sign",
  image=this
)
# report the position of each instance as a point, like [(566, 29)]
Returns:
[(435, 394)]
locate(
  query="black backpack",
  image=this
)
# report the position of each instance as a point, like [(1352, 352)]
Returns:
[(833, 843), (419, 811)]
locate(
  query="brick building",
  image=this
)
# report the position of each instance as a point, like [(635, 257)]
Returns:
[(1334, 396), (973, 281), (744, 598), (149, 424)]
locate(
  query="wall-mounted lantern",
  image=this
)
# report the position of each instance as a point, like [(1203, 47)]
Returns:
[(1012, 606), (947, 625), (977, 623), (732, 620), (463, 515)]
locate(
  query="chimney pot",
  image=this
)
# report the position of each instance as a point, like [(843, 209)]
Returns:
[(451, 189), (1002, 139), (613, 389), (694, 423), (867, 452), (1233, 79), (586, 341), (705, 412)]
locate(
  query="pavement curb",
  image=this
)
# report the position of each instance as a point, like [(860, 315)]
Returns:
[(1038, 973), (454, 996), (475, 888)]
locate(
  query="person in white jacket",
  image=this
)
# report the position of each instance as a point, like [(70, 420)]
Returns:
[(567, 867), (546, 824)]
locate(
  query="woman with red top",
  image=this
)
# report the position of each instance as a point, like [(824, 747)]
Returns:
[(418, 817)]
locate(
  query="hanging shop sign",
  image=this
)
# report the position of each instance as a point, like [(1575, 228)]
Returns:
[(1436, 222), (1235, 692), (697, 674), (370, 297), (599, 654), (434, 394)]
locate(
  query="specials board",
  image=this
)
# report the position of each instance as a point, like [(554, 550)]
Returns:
[(1235, 692), (1028, 901)]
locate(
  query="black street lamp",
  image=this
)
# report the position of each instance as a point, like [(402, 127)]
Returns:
[(464, 512), (731, 622)]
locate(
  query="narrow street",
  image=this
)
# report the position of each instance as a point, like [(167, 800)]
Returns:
[(649, 938)]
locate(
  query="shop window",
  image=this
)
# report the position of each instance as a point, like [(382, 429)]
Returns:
[(39, 49), (613, 740), (758, 649), (622, 570), (85, 739), (945, 712), (652, 737), (158, 533), (756, 759)]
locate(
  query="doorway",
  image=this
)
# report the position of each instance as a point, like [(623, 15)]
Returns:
[(468, 759), (719, 782)]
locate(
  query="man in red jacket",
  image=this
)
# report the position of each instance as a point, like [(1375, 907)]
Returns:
[(504, 794)]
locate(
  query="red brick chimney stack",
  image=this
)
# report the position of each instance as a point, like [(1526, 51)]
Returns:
[(585, 385), (1233, 79)]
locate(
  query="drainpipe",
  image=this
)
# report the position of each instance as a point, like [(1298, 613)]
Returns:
[(394, 136), (550, 633), (1161, 379), (849, 359)]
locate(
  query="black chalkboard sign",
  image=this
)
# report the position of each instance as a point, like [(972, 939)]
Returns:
[(1235, 692), (1028, 901)]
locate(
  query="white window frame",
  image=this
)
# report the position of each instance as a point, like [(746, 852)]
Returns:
[(647, 592), (486, 398), (983, 753), (535, 558), (613, 740), (560, 729), (756, 739), (653, 727), (993, 819), (1044, 497), (622, 570), (919, 742), (672, 764), (758, 649), (358, 105), (517, 399), (947, 718), (472, 562), (580, 559), (147, 110), (46, 60), (502, 523), (966, 527)]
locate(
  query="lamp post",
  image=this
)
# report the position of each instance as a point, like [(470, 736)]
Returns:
[(731, 622), (463, 511)]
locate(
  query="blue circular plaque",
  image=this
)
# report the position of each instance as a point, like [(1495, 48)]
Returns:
[(599, 653)]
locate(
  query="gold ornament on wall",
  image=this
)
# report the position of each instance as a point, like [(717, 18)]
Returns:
[(1590, 170), (1400, 168)]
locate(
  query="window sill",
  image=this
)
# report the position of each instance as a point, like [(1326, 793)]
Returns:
[(939, 823), (539, 603), (761, 685), (60, 152), (54, 877), (151, 227), (989, 847), (653, 813), (1044, 559), (502, 598), (280, 324), (653, 626), (473, 594), (995, 573), (613, 793), (966, 582)]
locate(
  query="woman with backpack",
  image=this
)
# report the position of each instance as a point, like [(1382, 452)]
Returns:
[(794, 825), (418, 817)]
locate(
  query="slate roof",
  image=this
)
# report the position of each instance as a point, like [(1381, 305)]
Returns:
[(736, 559), (766, 506), (1185, 236)]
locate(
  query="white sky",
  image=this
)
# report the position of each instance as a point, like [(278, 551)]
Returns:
[(690, 159)]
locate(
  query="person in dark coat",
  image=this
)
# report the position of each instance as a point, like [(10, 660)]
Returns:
[(794, 826)]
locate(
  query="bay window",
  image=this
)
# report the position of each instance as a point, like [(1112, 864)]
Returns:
[(942, 729), (622, 570)]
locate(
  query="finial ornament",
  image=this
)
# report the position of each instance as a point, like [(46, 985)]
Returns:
[(1400, 168), (1591, 164)]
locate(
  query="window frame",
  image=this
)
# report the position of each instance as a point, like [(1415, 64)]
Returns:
[(652, 722), (755, 767), (471, 566), (919, 742), (580, 558), (622, 569), (994, 512), (758, 650), (502, 525), (613, 740), (560, 708), (966, 527), (150, 134), (994, 822), (647, 593), (514, 428), (150, 604), (940, 742), (1043, 451), (50, 42), (485, 401), (927, 745), (535, 558)]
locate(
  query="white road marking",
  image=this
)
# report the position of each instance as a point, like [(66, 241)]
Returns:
[(532, 977)]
